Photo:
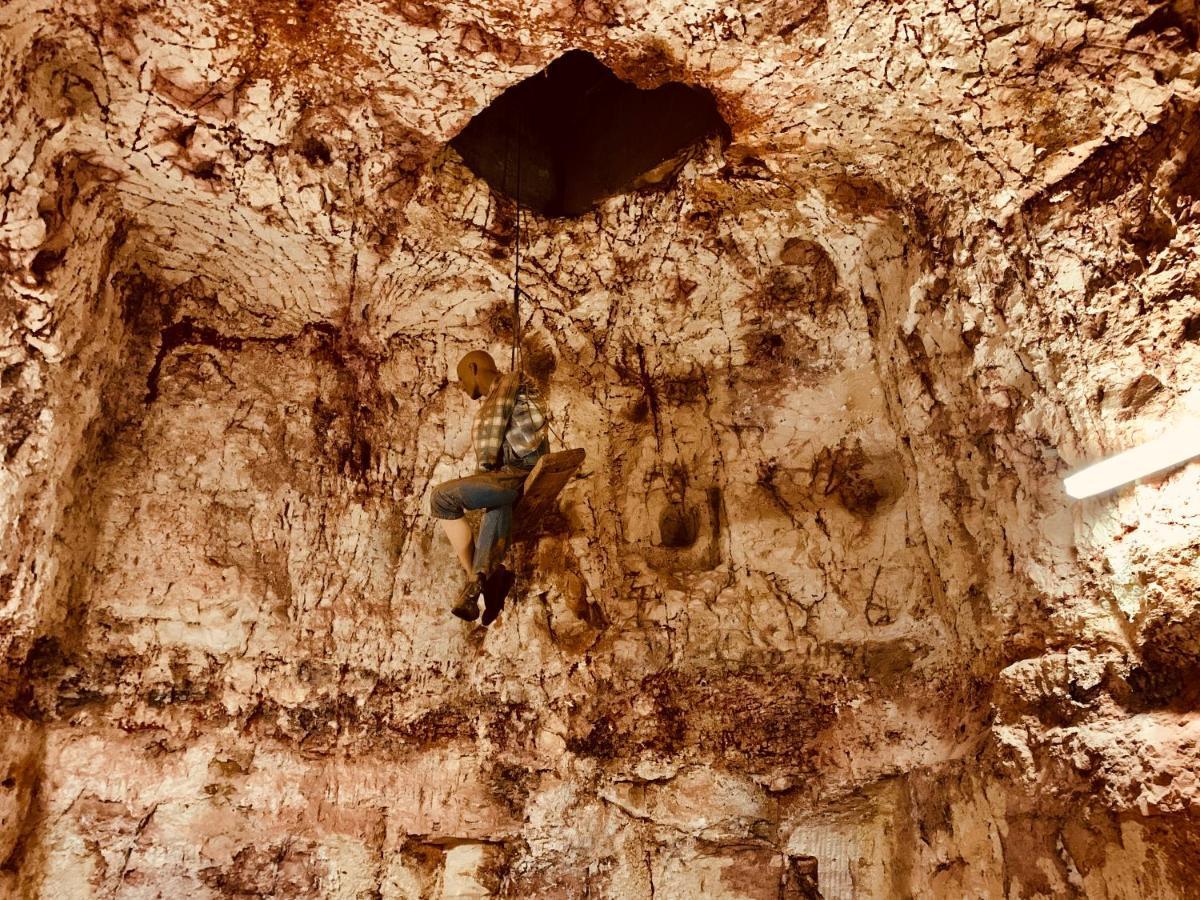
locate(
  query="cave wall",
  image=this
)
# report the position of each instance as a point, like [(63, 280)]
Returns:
[(816, 617)]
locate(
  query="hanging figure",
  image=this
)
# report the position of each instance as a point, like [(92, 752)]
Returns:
[(509, 435)]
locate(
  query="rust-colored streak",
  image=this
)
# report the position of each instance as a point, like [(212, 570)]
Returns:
[(307, 44)]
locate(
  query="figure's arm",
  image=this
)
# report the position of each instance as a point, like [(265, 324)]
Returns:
[(527, 426), (492, 423)]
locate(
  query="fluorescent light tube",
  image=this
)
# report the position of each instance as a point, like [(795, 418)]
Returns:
[(1177, 446)]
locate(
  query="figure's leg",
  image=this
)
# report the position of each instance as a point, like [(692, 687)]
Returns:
[(485, 491), (446, 504), (493, 537), (462, 540)]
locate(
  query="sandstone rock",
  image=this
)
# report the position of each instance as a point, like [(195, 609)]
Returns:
[(816, 619)]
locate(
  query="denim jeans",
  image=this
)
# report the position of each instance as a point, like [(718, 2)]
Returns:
[(494, 492)]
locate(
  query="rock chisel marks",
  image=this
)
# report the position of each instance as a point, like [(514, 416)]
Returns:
[(816, 616)]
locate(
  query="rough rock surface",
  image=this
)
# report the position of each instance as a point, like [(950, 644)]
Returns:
[(816, 620)]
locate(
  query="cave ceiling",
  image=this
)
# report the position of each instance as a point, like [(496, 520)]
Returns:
[(249, 140)]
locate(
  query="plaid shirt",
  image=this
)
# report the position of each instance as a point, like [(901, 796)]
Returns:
[(509, 427)]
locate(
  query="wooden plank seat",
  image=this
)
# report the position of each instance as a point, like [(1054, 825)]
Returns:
[(538, 496), (542, 488)]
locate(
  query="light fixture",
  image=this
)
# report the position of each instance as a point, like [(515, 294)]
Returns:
[(1176, 446)]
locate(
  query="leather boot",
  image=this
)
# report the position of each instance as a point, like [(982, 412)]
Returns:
[(467, 605), (495, 588)]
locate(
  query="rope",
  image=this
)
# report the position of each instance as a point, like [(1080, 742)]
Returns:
[(550, 424), (516, 347), (517, 361)]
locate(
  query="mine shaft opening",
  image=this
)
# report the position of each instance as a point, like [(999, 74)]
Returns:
[(582, 134)]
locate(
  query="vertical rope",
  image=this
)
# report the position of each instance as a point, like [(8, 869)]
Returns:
[(516, 325), (507, 157)]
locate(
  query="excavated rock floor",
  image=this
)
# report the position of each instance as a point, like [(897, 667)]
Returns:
[(816, 619)]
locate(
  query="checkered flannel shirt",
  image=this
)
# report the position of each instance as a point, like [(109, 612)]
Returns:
[(509, 416)]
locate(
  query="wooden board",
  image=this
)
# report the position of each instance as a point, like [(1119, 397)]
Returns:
[(538, 497), (542, 488)]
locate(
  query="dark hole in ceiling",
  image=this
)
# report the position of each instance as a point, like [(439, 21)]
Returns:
[(583, 134)]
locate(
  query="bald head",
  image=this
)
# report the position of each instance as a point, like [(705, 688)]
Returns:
[(477, 373)]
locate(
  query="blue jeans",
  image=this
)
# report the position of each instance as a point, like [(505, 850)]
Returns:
[(495, 492)]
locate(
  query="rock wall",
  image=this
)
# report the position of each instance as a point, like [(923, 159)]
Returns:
[(816, 619)]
